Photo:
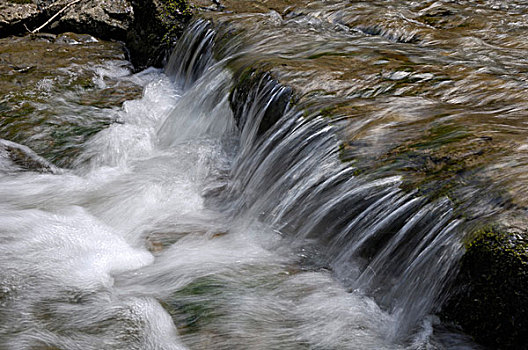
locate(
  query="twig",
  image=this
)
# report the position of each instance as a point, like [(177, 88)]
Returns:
[(55, 16)]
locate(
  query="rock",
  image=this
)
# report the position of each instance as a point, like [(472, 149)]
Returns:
[(157, 25), (490, 300), (13, 16), (16, 157), (70, 75), (149, 34), (106, 19), (252, 83)]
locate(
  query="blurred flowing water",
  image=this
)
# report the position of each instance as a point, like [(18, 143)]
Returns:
[(184, 226)]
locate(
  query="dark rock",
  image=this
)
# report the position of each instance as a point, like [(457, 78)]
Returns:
[(490, 300), (157, 25), (149, 27), (14, 16), (106, 19)]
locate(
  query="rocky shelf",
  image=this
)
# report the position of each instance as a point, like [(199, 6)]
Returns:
[(448, 151)]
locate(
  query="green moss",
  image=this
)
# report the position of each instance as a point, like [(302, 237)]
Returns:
[(180, 7), (194, 306), (173, 10), (490, 300)]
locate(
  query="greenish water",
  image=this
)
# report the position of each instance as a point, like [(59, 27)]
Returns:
[(57, 91)]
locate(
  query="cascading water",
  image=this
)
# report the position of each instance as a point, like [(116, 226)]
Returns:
[(181, 227)]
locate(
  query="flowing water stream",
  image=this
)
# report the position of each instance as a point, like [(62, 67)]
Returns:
[(181, 226), (175, 230)]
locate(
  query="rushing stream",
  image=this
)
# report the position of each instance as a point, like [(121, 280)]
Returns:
[(183, 226)]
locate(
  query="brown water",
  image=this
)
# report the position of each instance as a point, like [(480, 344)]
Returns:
[(432, 90)]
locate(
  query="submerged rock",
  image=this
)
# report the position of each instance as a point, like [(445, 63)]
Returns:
[(245, 91), (15, 157), (58, 90), (407, 87)]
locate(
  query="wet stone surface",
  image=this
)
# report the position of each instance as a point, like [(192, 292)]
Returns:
[(58, 90)]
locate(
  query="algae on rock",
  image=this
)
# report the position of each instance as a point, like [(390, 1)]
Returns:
[(490, 300)]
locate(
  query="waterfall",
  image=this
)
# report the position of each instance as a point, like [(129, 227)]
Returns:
[(216, 217), (376, 238)]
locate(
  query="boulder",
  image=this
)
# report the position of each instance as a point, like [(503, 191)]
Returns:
[(490, 299), (14, 15), (149, 27), (157, 24), (106, 19)]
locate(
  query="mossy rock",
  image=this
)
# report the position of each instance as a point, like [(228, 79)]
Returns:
[(194, 306), (157, 24), (490, 301)]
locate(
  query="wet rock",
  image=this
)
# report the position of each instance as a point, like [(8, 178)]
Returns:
[(393, 99), (157, 25), (16, 157), (490, 301), (58, 90), (440, 15), (252, 84)]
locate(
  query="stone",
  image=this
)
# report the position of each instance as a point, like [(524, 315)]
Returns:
[(149, 27), (16, 157), (106, 19), (13, 16), (157, 25), (490, 298)]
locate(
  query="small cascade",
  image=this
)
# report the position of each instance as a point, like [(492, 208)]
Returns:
[(216, 213), (394, 245), (192, 54)]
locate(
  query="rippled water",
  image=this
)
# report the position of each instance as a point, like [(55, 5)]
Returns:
[(100, 256), (179, 226), (58, 90), (432, 90)]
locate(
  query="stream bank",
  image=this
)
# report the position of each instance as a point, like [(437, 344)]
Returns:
[(148, 27)]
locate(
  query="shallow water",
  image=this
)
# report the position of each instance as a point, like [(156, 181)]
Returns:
[(178, 227), (434, 91), (157, 238)]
